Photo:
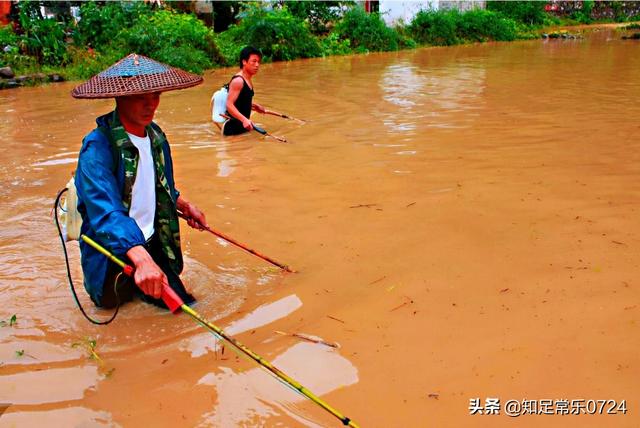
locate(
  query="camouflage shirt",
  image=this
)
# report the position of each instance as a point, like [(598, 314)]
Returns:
[(106, 171)]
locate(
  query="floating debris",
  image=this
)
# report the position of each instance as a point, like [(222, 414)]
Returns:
[(12, 321), (309, 338)]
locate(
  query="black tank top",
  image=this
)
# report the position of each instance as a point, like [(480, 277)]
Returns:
[(243, 103)]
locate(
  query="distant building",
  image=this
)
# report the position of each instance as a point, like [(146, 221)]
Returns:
[(395, 12), (462, 5)]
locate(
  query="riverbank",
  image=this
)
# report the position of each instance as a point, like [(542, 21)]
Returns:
[(9, 80), (77, 50)]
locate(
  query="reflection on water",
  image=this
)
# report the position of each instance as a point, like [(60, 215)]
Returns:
[(252, 395), (402, 87), (265, 314), (48, 386), (56, 162), (430, 96), (64, 417), (202, 343)]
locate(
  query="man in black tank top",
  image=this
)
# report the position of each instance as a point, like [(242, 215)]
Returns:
[(240, 98)]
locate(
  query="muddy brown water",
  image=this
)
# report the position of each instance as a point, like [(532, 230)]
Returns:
[(464, 220)]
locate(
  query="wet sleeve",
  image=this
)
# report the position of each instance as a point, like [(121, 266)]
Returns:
[(99, 191)]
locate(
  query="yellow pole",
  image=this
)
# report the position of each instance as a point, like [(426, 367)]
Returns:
[(103, 250), (220, 333), (267, 365)]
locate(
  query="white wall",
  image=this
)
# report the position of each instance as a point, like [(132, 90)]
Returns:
[(395, 11)]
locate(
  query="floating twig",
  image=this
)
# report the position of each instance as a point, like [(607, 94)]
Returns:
[(408, 301), (377, 280), (313, 339), (336, 319)]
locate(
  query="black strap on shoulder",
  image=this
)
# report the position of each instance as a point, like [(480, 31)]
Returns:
[(233, 77)]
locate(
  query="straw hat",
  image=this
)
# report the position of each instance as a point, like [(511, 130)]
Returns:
[(135, 74)]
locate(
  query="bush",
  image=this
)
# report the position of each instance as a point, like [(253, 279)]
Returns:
[(7, 37), (42, 38), (319, 14), (366, 32), (481, 25), (444, 28), (405, 39), (439, 28), (527, 12), (584, 15), (176, 39), (332, 45), (86, 63), (10, 53), (100, 25), (278, 34)]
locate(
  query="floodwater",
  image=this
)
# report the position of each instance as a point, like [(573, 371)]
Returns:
[(464, 222)]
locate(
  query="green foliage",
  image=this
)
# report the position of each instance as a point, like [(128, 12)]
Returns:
[(583, 15), (437, 28), (319, 14), (332, 45), (12, 321), (278, 34), (587, 9), (444, 28), (366, 31), (42, 38), (482, 25), (7, 37), (618, 11), (405, 39), (100, 24), (90, 346), (85, 63), (527, 12), (173, 38)]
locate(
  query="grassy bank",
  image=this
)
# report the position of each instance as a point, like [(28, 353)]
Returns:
[(77, 49)]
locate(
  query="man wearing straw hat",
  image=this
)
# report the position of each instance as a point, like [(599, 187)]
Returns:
[(126, 191)]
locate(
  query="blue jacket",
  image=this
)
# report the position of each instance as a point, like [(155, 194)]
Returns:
[(104, 217)]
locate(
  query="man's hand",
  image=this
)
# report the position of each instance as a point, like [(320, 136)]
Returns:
[(248, 125), (195, 218), (148, 276)]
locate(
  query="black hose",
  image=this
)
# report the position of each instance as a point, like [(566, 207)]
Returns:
[(66, 259)]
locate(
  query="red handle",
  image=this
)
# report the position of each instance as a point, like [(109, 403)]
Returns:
[(128, 270), (169, 297)]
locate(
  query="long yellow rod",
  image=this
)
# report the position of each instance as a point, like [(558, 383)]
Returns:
[(173, 302), (267, 365)]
